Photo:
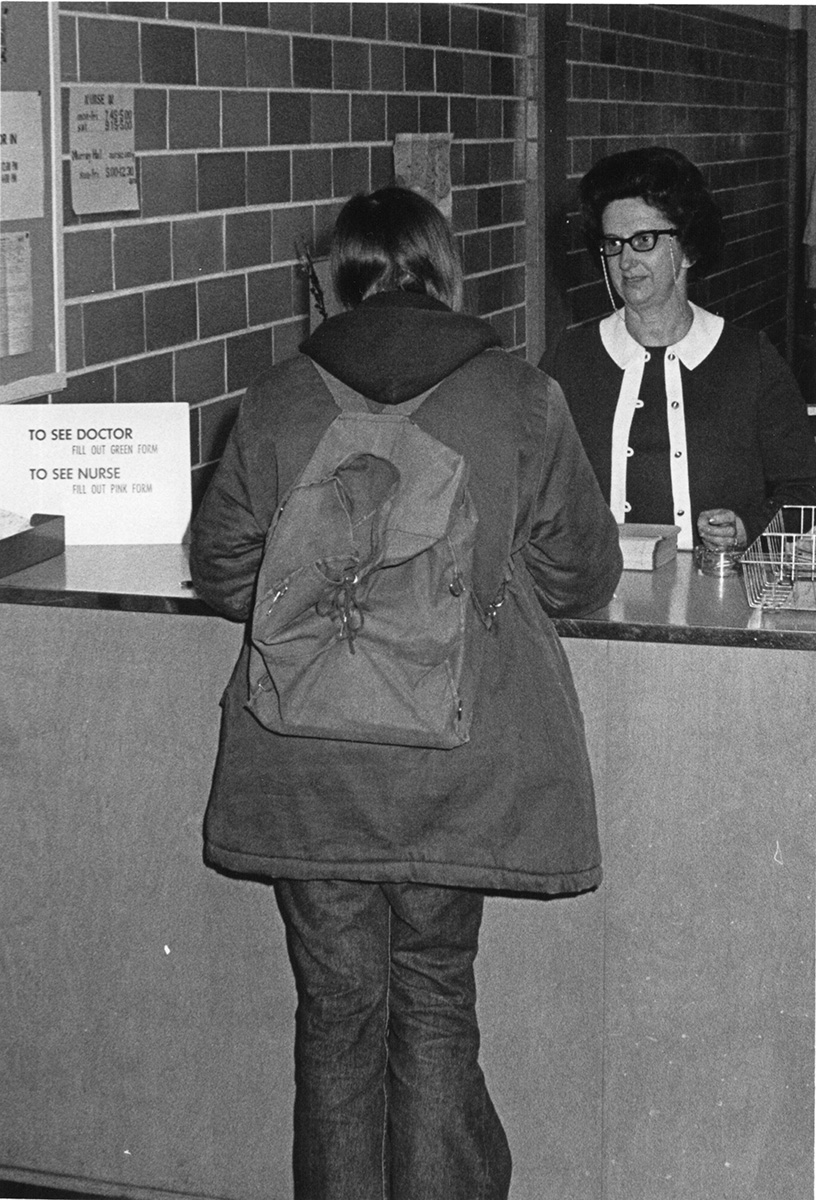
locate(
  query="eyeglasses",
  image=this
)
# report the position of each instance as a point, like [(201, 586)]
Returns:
[(644, 240)]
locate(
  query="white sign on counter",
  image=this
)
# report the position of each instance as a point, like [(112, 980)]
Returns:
[(118, 473)]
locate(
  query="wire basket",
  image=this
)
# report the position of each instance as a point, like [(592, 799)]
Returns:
[(779, 568)]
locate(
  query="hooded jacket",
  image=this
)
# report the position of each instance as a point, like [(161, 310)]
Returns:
[(513, 809)]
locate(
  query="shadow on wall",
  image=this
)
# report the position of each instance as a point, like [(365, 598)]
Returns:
[(805, 351)]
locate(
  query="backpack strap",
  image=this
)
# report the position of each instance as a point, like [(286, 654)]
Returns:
[(349, 400)]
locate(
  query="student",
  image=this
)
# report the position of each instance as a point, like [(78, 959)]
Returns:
[(381, 854)]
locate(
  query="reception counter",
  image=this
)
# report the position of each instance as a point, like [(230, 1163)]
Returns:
[(650, 1041)]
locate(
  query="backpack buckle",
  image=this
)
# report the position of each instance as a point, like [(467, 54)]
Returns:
[(492, 612)]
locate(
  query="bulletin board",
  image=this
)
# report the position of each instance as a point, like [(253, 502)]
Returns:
[(32, 312)]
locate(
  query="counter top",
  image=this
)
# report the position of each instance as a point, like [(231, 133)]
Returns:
[(672, 604), (130, 578)]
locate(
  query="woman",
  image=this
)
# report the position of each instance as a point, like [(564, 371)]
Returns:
[(686, 420), (381, 854)]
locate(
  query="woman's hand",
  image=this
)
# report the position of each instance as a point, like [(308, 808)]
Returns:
[(721, 529)]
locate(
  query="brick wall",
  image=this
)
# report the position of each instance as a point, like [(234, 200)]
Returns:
[(254, 122), (715, 86)]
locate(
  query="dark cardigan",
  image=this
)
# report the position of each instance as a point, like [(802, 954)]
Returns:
[(749, 445)]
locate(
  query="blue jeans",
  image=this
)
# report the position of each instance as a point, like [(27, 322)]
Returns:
[(390, 1100)]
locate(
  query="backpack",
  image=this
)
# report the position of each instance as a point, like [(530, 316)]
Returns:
[(365, 626)]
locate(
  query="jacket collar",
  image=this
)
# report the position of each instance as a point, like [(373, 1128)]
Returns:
[(696, 346)]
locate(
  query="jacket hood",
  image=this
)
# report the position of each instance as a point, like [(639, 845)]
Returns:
[(396, 345)]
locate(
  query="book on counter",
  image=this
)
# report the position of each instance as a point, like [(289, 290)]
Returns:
[(647, 547)]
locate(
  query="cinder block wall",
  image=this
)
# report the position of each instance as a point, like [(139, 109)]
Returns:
[(254, 122), (715, 86)]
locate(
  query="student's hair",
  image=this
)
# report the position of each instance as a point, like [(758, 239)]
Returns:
[(664, 179), (394, 240)]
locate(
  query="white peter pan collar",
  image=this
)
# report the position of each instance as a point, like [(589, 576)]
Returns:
[(692, 349)]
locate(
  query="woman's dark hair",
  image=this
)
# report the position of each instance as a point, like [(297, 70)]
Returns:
[(666, 180), (394, 239)]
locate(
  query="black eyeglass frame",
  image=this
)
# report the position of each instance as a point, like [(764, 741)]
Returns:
[(630, 241)]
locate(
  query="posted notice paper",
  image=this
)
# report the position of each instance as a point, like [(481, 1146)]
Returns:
[(22, 172), (118, 473), (16, 295), (422, 162), (102, 140)]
